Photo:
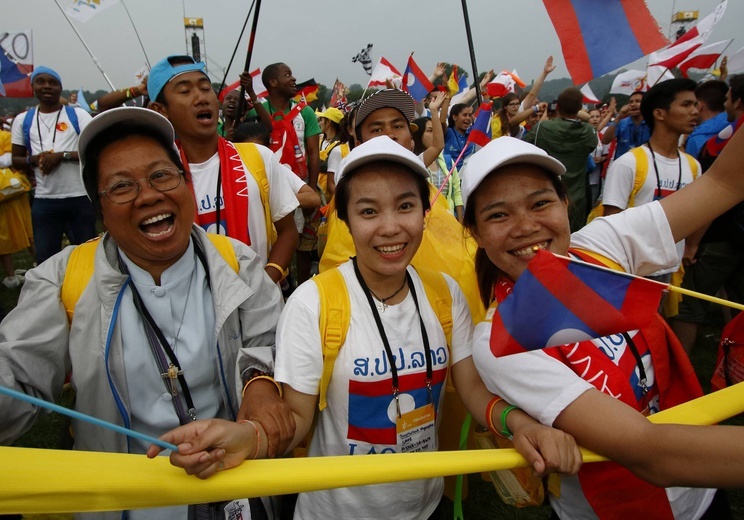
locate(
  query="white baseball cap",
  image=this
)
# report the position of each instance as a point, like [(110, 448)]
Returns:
[(380, 148), (503, 152)]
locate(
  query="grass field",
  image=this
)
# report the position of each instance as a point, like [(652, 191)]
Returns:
[(482, 501)]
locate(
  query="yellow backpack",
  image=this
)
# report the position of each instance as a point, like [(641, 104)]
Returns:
[(81, 263), (251, 157), (335, 315), (640, 178)]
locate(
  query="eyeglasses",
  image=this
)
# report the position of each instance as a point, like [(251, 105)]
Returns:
[(126, 190), (515, 104)]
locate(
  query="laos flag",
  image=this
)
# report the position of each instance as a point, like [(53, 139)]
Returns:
[(598, 37), (480, 132), (372, 404), (415, 81), (559, 300)]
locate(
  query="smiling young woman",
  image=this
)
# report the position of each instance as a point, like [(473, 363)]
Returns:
[(600, 390)]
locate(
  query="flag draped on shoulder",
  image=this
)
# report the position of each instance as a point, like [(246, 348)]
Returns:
[(599, 37), (415, 82), (384, 71), (480, 132), (16, 64), (558, 300), (364, 58), (84, 10)]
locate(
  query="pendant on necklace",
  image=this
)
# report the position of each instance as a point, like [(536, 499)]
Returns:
[(381, 306)]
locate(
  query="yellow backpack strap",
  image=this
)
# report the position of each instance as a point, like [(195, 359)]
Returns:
[(251, 157), (225, 248), (640, 174), (693, 165), (334, 319), (440, 298), (79, 270), (344, 150)]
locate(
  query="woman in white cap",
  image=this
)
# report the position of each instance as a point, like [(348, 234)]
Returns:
[(393, 364), (600, 390)]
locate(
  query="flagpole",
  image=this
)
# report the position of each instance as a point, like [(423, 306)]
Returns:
[(249, 55), (95, 60), (454, 165), (147, 60), (472, 51), (235, 50)]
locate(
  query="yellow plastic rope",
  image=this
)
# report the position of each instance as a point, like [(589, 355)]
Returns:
[(54, 481)]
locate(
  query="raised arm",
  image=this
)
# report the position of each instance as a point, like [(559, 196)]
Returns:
[(118, 97), (537, 85), (437, 133), (721, 188)]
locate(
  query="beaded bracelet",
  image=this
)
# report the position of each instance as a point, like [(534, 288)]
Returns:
[(505, 431), (258, 435)]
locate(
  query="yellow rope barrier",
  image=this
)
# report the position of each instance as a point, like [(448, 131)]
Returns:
[(54, 481)]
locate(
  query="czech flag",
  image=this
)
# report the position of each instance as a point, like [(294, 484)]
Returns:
[(369, 402), (480, 132), (415, 81), (15, 81), (599, 37), (558, 301)]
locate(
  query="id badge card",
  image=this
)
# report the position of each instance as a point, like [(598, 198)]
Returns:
[(417, 430)]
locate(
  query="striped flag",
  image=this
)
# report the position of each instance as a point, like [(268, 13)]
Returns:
[(703, 57), (480, 132), (558, 300), (16, 64), (364, 58), (384, 71), (589, 95), (599, 37)]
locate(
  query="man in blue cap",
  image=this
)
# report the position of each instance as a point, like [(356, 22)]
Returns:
[(45, 141)]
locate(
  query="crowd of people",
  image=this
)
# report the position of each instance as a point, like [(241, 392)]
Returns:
[(182, 320)]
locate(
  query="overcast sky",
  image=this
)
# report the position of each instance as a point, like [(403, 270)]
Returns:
[(316, 39)]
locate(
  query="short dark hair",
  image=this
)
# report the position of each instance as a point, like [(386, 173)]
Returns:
[(343, 188), (736, 83), (270, 72), (109, 136), (661, 96), (713, 94), (569, 102), (252, 132)]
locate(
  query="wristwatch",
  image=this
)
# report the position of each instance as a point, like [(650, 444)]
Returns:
[(66, 156)]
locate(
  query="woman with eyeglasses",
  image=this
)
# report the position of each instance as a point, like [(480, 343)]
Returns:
[(152, 337)]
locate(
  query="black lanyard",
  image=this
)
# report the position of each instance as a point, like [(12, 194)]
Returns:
[(656, 170), (54, 135), (642, 379), (169, 368), (386, 344)]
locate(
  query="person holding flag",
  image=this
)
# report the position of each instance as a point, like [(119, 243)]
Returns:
[(598, 389)]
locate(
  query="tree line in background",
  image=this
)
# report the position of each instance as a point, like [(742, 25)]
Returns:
[(549, 92)]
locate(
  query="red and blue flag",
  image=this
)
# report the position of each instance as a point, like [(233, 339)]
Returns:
[(370, 404), (599, 37), (480, 132), (14, 79), (559, 300), (415, 81)]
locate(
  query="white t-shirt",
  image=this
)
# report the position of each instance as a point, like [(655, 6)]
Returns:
[(282, 199), (64, 181), (640, 240), (359, 419), (621, 177), (334, 159)]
